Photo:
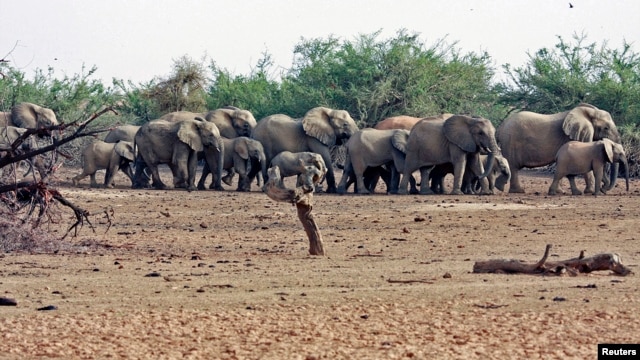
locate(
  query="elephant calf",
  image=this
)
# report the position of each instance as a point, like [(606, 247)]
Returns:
[(296, 164), (576, 158), (100, 155)]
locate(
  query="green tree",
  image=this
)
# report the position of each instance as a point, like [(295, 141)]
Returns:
[(573, 72)]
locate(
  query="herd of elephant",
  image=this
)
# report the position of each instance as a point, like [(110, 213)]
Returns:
[(581, 141)]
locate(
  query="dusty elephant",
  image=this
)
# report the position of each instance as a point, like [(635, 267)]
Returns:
[(29, 116), (371, 148), (240, 155), (404, 121), (296, 164), (231, 121), (177, 144), (125, 132), (319, 130), (531, 140), (576, 158), (458, 140), (100, 155)]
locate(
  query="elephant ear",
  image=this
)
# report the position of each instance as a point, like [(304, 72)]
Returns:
[(578, 124), (399, 140), (125, 150), (317, 124), (240, 148), (457, 130), (607, 146), (190, 135)]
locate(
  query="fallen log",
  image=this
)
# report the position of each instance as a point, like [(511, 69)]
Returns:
[(574, 266), (301, 197)]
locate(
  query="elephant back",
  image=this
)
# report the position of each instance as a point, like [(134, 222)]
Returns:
[(122, 133), (279, 133)]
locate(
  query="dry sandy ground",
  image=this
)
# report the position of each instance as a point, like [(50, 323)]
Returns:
[(227, 275)]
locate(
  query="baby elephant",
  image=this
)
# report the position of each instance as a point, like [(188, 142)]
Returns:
[(101, 155), (291, 164), (578, 158)]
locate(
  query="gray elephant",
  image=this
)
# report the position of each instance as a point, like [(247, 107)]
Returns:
[(297, 164), (371, 148), (404, 121), (8, 137), (100, 155), (319, 130), (531, 140), (497, 178), (29, 116), (125, 132), (458, 140), (231, 121), (178, 144), (576, 158), (240, 155)]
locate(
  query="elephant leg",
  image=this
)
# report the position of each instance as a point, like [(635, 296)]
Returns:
[(203, 177), (589, 183), (228, 178), (359, 175), (553, 188), (572, 184), (192, 166), (412, 185), (424, 182), (156, 182), (514, 184), (598, 174), (76, 179), (347, 173), (459, 166), (94, 183)]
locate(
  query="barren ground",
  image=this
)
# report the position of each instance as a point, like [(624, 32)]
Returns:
[(234, 279)]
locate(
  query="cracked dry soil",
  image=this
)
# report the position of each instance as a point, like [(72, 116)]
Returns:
[(227, 275)]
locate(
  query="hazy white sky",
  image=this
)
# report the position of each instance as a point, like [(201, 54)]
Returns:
[(139, 39)]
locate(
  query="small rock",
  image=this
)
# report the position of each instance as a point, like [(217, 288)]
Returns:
[(48, 308), (203, 225), (405, 230), (364, 316), (447, 275), (419, 219), (153, 274), (559, 298)]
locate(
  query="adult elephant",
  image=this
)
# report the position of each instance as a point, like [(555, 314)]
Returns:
[(317, 131), (458, 140), (8, 136), (371, 148), (404, 121), (122, 133), (177, 144), (28, 116), (112, 157), (241, 154), (531, 140), (231, 121)]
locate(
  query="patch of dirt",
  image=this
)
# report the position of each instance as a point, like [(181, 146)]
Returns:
[(227, 275)]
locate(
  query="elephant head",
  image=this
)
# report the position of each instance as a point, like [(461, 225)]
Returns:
[(252, 153), (124, 149), (329, 126), (587, 123), (473, 135), (199, 134), (232, 122), (504, 173), (614, 153), (32, 116)]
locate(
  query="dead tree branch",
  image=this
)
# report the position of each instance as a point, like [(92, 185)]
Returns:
[(574, 266)]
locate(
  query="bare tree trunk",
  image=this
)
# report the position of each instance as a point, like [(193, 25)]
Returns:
[(302, 199)]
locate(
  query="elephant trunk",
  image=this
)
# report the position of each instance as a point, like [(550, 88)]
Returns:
[(625, 165), (490, 160), (613, 176)]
